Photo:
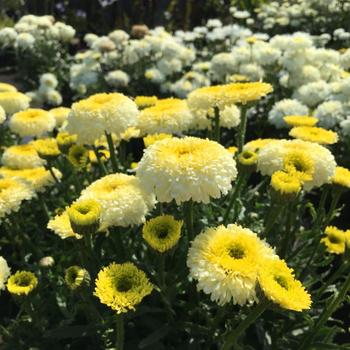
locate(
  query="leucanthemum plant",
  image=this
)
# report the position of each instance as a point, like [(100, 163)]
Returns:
[(199, 201)]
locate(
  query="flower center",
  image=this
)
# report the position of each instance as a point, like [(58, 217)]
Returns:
[(334, 239), (236, 252), (282, 281), (124, 284), (23, 281)]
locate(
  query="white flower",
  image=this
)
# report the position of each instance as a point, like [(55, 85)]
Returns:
[(345, 126), (230, 116), (49, 80), (25, 40), (188, 168), (117, 78), (253, 71), (329, 114), (313, 93), (271, 159), (123, 201), (4, 272)]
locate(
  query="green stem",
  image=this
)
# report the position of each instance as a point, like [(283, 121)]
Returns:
[(274, 214), (335, 199), (162, 271), (188, 216), (122, 152), (103, 169), (242, 128), (339, 272), (216, 124), (288, 238), (256, 311), (52, 172), (120, 332), (327, 312), (118, 244), (235, 194), (112, 151)]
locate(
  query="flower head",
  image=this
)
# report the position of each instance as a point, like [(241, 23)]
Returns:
[(60, 114), (314, 163), (123, 201), (65, 141), (151, 139), (225, 262), (21, 157), (37, 178), (78, 156), (122, 286), (313, 134), (162, 233), (22, 283), (12, 194), (145, 101), (341, 177), (4, 272), (84, 216), (286, 185), (13, 101), (335, 240), (47, 148), (188, 168), (32, 122), (76, 277), (300, 120), (279, 285), (92, 117), (247, 160), (168, 115), (61, 226), (300, 164)]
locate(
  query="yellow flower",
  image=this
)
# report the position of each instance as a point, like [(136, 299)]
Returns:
[(134, 165), (279, 285), (60, 114), (12, 194), (300, 164), (232, 149), (256, 145), (61, 226), (7, 87), (37, 178), (168, 115), (32, 122), (300, 120), (248, 159), (22, 283), (225, 262), (122, 286), (123, 201), (84, 216), (65, 141), (335, 240), (313, 134), (13, 101), (151, 139), (341, 177), (104, 155), (238, 78), (162, 233), (130, 133), (47, 148), (21, 157), (78, 156), (76, 277), (286, 185), (245, 92), (145, 101)]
